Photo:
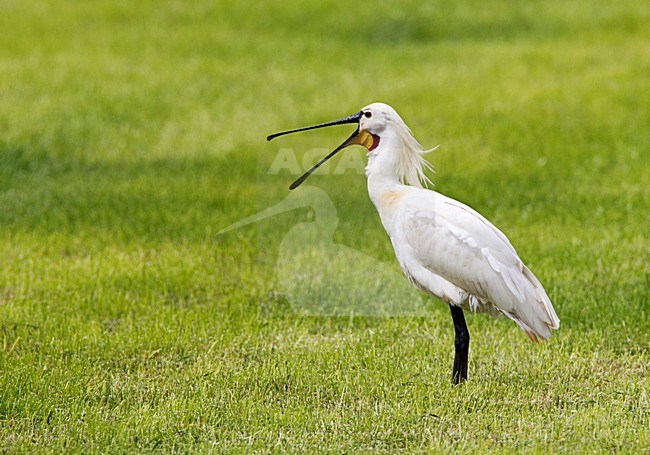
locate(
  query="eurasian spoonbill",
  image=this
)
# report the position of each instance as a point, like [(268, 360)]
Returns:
[(445, 248)]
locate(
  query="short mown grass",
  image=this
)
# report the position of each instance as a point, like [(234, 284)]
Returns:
[(132, 133)]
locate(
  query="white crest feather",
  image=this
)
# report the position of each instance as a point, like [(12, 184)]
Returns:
[(410, 162)]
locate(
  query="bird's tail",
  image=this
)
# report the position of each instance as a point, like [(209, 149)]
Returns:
[(539, 322)]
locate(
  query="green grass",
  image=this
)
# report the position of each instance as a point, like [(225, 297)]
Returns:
[(132, 133)]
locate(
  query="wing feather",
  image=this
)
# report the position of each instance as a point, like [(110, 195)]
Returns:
[(456, 243)]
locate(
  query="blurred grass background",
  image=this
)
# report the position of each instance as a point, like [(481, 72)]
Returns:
[(130, 134)]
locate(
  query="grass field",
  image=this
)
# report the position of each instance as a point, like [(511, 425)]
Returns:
[(131, 133)]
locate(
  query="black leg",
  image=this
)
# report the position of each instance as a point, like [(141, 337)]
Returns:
[(461, 343)]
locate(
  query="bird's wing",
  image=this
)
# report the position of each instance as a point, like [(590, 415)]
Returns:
[(455, 242)]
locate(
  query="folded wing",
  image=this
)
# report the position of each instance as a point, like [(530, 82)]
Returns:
[(456, 244)]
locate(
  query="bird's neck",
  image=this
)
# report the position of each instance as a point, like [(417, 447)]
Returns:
[(381, 170), (384, 188), (380, 182)]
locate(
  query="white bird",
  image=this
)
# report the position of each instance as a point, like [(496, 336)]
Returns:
[(445, 248)]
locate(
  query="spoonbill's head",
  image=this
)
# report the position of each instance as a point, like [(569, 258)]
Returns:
[(376, 122)]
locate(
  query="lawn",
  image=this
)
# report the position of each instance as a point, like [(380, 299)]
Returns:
[(132, 133)]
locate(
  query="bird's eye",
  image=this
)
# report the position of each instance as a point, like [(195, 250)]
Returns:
[(367, 114)]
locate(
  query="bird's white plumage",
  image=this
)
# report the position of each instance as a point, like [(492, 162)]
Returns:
[(444, 247)]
